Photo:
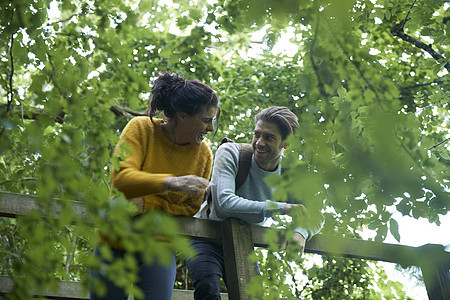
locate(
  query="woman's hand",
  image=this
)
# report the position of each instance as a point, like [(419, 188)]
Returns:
[(139, 202), (190, 184)]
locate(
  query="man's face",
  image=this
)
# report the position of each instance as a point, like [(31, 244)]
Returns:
[(267, 145)]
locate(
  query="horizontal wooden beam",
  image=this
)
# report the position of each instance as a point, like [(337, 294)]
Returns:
[(199, 228), (67, 289), (13, 205), (74, 290), (319, 244)]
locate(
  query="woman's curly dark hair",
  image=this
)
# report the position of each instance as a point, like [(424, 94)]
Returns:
[(172, 93)]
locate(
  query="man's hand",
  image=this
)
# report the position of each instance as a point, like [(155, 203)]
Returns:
[(296, 209), (190, 184), (297, 237), (300, 240)]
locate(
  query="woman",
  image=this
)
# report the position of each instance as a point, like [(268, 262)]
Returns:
[(168, 168)]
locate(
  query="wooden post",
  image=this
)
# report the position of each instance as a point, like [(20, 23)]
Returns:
[(435, 266), (237, 244)]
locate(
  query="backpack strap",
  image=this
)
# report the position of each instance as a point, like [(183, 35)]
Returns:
[(225, 140), (245, 162)]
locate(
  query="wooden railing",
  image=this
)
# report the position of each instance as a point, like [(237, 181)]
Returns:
[(239, 240)]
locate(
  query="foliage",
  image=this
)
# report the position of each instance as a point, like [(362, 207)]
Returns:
[(373, 108), (332, 278)]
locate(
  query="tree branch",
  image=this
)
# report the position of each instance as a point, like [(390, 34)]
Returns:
[(407, 15), (440, 143), (399, 30), (20, 179), (11, 74), (313, 63), (440, 82), (71, 254), (32, 115), (356, 65), (118, 110), (121, 111), (62, 20)]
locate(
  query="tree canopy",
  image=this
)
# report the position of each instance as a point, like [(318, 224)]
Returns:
[(368, 80)]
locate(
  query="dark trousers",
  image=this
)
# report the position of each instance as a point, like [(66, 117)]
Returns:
[(155, 280), (206, 269)]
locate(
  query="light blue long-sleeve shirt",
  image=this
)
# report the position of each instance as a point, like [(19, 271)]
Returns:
[(251, 202)]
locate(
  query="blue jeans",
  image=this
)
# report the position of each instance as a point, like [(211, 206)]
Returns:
[(205, 269), (155, 281)]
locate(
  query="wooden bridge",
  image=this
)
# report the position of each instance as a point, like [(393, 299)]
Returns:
[(239, 240)]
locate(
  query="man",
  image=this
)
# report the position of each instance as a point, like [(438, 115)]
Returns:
[(250, 202)]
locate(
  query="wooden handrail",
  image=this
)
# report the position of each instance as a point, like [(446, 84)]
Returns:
[(74, 290), (13, 205), (238, 235)]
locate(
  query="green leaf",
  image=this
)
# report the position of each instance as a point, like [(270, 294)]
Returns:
[(116, 163), (342, 92), (393, 228)]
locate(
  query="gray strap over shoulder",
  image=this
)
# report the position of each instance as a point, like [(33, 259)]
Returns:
[(245, 162)]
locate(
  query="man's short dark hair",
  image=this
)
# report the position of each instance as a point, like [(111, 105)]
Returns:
[(285, 119)]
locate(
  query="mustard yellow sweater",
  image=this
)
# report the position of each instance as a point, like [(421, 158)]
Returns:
[(154, 158)]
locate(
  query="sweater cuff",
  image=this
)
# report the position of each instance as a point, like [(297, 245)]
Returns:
[(303, 232), (273, 207), (161, 179)]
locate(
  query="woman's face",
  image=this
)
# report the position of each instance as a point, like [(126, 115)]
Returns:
[(192, 129)]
